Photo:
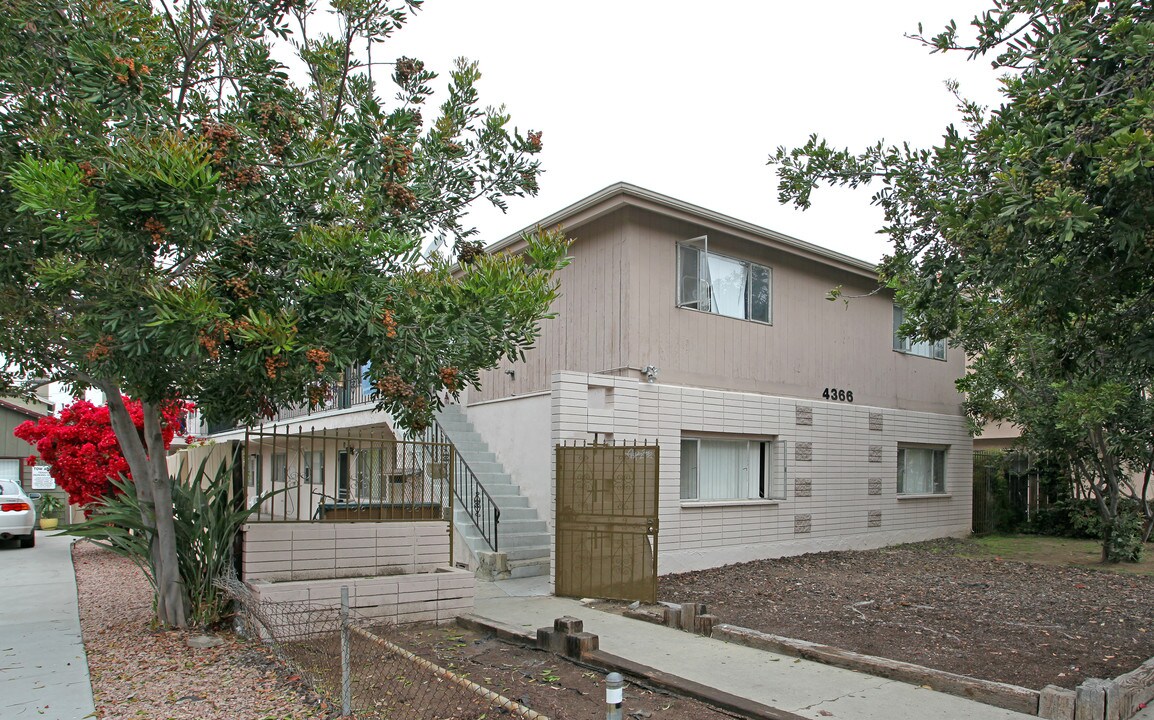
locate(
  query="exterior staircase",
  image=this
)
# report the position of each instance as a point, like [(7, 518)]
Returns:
[(522, 536)]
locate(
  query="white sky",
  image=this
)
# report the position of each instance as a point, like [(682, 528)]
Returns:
[(690, 98)]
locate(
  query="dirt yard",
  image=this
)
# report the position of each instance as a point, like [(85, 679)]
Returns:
[(944, 604), (542, 681)]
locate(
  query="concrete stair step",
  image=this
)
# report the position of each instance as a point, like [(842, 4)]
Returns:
[(524, 568), (478, 457), (517, 513), (487, 468), (528, 552), (515, 527), (462, 430), (521, 540), (498, 492), (522, 535)]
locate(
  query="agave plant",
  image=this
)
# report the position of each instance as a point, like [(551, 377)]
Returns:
[(207, 520)]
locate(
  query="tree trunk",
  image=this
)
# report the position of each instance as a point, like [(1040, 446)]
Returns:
[(146, 458), (1107, 532), (171, 590)]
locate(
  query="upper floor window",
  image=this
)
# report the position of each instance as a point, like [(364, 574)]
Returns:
[(722, 285), (924, 348)]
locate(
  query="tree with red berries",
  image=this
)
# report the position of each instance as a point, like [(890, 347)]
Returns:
[(1027, 236), (184, 217), (82, 449)]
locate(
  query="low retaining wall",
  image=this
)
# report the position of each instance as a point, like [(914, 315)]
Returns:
[(1010, 697), (1117, 699), (1094, 699), (438, 596), (288, 551)]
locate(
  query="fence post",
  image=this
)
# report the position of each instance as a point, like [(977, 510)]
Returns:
[(614, 692), (346, 677), (452, 498)]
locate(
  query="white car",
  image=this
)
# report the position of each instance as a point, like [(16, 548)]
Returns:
[(17, 514)]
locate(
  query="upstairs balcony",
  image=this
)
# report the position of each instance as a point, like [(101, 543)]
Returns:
[(351, 391)]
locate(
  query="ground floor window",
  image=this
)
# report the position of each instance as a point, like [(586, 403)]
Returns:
[(728, 469), (921, 471)]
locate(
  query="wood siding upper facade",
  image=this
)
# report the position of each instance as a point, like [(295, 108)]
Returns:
[(618, 313)]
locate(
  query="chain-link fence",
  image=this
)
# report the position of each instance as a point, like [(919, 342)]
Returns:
[(356, 663)]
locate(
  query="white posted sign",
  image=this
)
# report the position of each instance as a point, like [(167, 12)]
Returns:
[(42, 479)]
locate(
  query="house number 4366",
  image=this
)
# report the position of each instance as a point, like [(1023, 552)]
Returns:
[(839, 395)]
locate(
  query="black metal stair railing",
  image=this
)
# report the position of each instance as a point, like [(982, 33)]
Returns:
[(475, 499)]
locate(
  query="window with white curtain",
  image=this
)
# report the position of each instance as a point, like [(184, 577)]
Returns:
[(921, 471), (715, 469), (905, 344), (722, 285)]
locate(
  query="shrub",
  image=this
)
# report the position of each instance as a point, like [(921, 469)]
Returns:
[(82, 449), (207, 520)]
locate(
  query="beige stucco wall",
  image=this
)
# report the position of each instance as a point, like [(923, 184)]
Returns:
[(852, 450), (516, 429), (618, 313), (997, 436)]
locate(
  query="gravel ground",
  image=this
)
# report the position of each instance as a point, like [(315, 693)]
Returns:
[(138, 672)]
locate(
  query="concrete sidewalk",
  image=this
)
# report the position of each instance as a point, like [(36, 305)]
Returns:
[(43, 669), (806, 688)]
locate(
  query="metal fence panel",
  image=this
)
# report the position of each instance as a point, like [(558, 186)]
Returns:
[(607, 521), (353, 475)]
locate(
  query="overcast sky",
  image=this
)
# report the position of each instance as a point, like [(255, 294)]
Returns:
[(690, 98)]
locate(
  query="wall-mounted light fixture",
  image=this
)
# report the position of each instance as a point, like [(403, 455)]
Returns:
[(511, 373), (650, 373)]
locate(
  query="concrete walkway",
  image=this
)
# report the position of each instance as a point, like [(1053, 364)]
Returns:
[(806, 688), (43, 669)]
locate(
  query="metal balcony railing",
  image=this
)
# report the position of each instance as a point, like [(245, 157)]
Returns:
[(346, 393)]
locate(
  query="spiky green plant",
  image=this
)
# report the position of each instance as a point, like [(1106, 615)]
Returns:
[(207, 520)]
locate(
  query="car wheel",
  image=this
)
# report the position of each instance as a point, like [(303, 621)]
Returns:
[(28, 540)]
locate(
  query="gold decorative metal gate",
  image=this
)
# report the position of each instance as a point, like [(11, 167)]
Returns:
[(607, 521)]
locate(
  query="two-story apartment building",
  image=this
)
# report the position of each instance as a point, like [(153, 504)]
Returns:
[(787, 423)]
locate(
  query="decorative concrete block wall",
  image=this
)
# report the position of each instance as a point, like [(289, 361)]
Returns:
[(438, 596), (838, 461), (290, 551)]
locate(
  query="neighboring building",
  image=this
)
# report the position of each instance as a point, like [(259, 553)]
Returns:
[(997, 436), (786, 423), (14, 451)]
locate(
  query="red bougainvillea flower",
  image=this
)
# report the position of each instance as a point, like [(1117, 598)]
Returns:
[(81, 448)]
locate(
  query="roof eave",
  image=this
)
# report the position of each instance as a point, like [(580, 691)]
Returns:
[(622, 193)]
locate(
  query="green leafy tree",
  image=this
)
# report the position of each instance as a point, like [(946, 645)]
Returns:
[(210, 200), (1027, 235)]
